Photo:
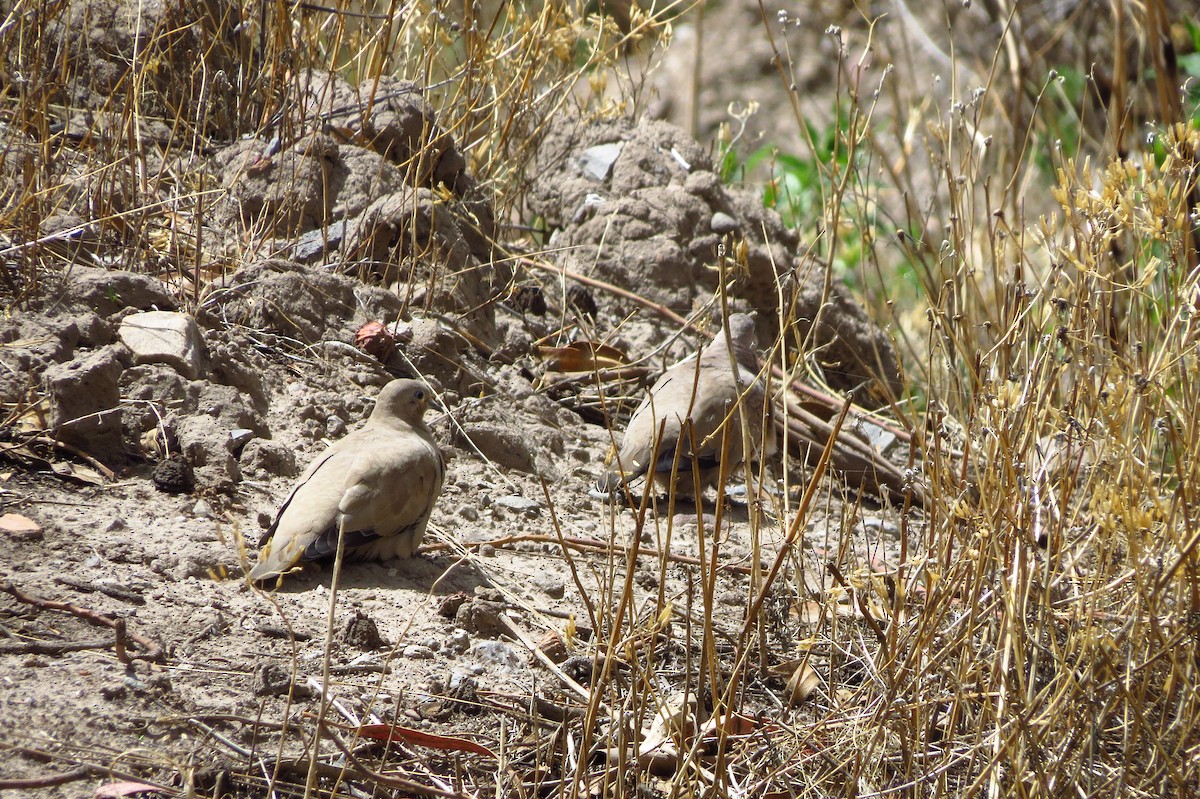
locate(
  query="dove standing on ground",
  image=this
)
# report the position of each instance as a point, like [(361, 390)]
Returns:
[(694, 401), (377, 485)]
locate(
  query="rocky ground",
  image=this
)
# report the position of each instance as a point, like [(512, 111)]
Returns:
[(442, 642), (155, 420)]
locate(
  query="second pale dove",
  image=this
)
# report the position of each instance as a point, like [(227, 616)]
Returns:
[(377, 485), (698, 400)]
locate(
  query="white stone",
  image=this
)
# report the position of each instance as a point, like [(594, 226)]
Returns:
[(518, 503), (164, 337), (597, 162)]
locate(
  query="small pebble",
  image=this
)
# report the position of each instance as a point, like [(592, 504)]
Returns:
[(646, 580), (334, 426), (458, 640), (21, 528), (552, 586), (239, 436), (519, 504), (202, 509), (463, 673), (418, 652), (497, 652), (723, 223)]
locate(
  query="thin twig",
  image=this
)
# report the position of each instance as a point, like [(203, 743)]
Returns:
[(589, 545), (49, 781), (153, 650)]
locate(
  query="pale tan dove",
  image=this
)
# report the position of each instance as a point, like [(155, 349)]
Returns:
[(693, 401), (378, 483)]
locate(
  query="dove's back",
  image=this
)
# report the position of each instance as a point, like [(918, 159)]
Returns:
[(378, 484), (693, 404)]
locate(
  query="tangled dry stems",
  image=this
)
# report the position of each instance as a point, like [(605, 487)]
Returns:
[(1036, 635)]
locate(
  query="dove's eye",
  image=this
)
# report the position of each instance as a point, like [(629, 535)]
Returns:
[(420, 395)]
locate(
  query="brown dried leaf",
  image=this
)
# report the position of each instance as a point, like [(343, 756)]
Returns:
[(117, 790), (32, 419), (375, 339), (395, 732), (77, 471), (803, 682), (674, 724), (582, 356)]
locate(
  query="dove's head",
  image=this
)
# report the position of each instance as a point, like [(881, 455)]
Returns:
[(743, 337), (405, 399), (742, 330)]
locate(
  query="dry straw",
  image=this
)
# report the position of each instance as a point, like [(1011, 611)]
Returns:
[(1035, 635)]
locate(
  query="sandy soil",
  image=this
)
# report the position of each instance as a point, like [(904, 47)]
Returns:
[(209, 682)]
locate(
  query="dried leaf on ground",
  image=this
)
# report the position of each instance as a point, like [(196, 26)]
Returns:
[(395, 732), (583, 356)]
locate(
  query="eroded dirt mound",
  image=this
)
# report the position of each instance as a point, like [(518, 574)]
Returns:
[(639, 206), (87, 55), (384, 194)]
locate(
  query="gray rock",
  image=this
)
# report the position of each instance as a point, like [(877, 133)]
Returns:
[(519, 504), (481, 617), (285, 298), (84, 398), (458, 640), (164, 337), (203, 435), (240, 437), (107, 291), (723, 223), (498, 443), (417, 652), (552, 586), (496, 652), (597, 162), (260, 457), (231, 362)]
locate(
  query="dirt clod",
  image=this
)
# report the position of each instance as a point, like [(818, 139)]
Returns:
[(174, 475), (481, 617), (84, 395), (361, 632)]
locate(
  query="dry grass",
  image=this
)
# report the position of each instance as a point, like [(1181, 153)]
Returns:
[(1037, 633)]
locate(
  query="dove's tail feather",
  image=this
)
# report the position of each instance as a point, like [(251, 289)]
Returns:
[(363, 544), (267, 567), (609, 482), (613, 479)]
